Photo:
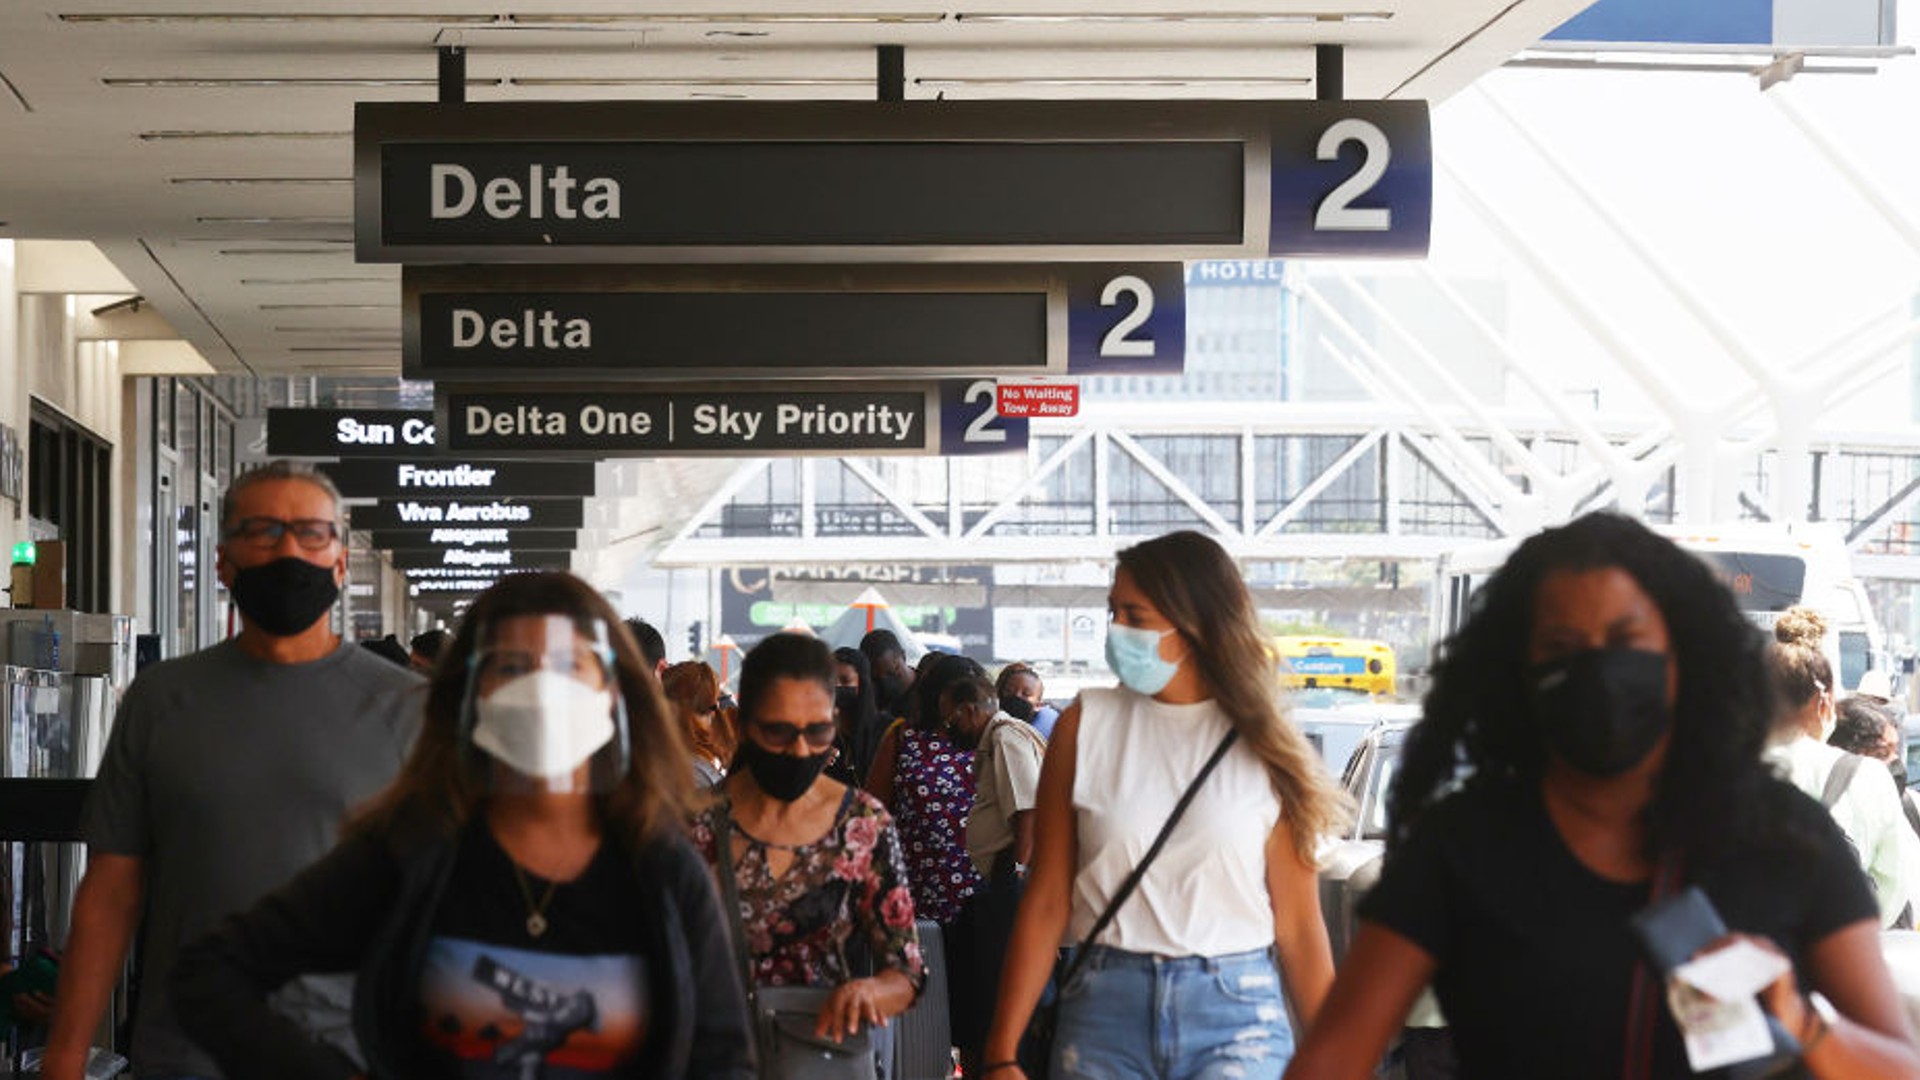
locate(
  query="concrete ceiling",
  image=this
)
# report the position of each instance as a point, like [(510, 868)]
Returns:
[(204, 145)]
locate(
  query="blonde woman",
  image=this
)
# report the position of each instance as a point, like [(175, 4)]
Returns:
[(1186, 977)]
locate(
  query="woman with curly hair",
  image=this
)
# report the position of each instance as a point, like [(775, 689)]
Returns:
[(1185, 978), (1608, 703)]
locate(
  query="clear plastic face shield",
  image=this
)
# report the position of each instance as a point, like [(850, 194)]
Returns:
[(543, 711)]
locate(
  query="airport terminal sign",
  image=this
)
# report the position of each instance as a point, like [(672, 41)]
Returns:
[(506, 513), (920, 181), (471, 559), (855, 321), (525, 479), (470, 536), (794, 418), (337, 433)]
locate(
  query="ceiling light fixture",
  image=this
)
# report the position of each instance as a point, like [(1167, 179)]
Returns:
[(269, 17), (208, 82), (713, 80), (157, 136), (318, 281), (1118, 80), (1290, 18), (920, 18), (259, 179), (334, 330), (329, 307), (340, 349), (282, 251), (216, 219)]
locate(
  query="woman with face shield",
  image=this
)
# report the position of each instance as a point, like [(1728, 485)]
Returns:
[(1607, 704), (521, 899), (812, 867)]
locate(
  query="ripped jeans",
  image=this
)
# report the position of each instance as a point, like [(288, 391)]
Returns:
[(1128, 1015)]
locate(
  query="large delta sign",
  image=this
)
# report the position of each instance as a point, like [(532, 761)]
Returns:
[(823, 417), (923, 181), (855, 321)]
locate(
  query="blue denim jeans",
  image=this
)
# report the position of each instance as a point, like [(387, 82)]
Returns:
[(1127, 1015)]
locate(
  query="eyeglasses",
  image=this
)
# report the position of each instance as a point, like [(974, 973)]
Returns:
[(779, 736), (265, 532)]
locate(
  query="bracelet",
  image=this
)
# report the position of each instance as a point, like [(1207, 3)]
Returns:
[(1818, 1011), (996, 1066)]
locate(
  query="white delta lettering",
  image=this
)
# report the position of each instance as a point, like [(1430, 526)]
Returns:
[(532, 330), (548, 189), (791, 419), (458, 476), (516, 420)]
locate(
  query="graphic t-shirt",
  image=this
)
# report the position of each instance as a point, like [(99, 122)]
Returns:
[(502, 1004)]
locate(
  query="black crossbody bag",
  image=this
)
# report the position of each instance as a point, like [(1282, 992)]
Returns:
[(1036, 1046)]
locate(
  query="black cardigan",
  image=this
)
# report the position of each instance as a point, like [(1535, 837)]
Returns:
[(367, 907)]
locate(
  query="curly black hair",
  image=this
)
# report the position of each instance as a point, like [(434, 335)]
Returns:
[(1476, 709)]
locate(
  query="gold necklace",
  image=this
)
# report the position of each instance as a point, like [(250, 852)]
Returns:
[(536, 913)]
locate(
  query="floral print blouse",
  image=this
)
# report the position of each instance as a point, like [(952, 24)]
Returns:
[(851, 880), (932, 796)]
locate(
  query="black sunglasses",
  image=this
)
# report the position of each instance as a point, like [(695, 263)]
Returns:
[(781, 735)]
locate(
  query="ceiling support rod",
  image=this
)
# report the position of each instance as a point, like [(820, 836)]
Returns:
[(1330, 72), (890, 75), (453, 74)]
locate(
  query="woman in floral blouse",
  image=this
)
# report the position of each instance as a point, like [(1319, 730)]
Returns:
[(926, 779), (816, 862)]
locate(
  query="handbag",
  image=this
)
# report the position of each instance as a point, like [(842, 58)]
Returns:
[(784, 1016), (1036, 1044)]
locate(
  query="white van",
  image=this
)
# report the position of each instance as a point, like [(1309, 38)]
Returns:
[(1769, 568)]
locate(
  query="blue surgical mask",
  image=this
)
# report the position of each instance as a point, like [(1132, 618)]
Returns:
[(1134, 655)]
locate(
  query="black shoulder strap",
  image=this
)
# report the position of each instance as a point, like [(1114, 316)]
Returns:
[(1839, 778), (730, 892), (1160, 841)]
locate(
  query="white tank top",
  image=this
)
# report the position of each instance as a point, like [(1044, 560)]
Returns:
[(1206, 892)]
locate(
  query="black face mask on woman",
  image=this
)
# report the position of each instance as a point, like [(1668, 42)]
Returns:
[(782, 776), (1602, 710), (285, 596)]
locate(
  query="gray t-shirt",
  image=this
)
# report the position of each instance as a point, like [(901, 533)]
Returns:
[(227, 775)]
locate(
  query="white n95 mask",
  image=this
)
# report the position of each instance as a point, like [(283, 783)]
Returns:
[(543, 724)]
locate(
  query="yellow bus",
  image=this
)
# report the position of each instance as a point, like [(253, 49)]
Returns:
[(1313, 662)]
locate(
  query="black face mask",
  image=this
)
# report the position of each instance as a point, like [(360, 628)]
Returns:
[(846, 702), (782, 776), (285, 596), (1898, 767), (1602, 710)]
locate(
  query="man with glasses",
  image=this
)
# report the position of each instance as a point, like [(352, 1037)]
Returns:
[(228, 771)]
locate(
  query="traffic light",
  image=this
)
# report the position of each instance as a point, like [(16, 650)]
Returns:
[(693, 637)]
